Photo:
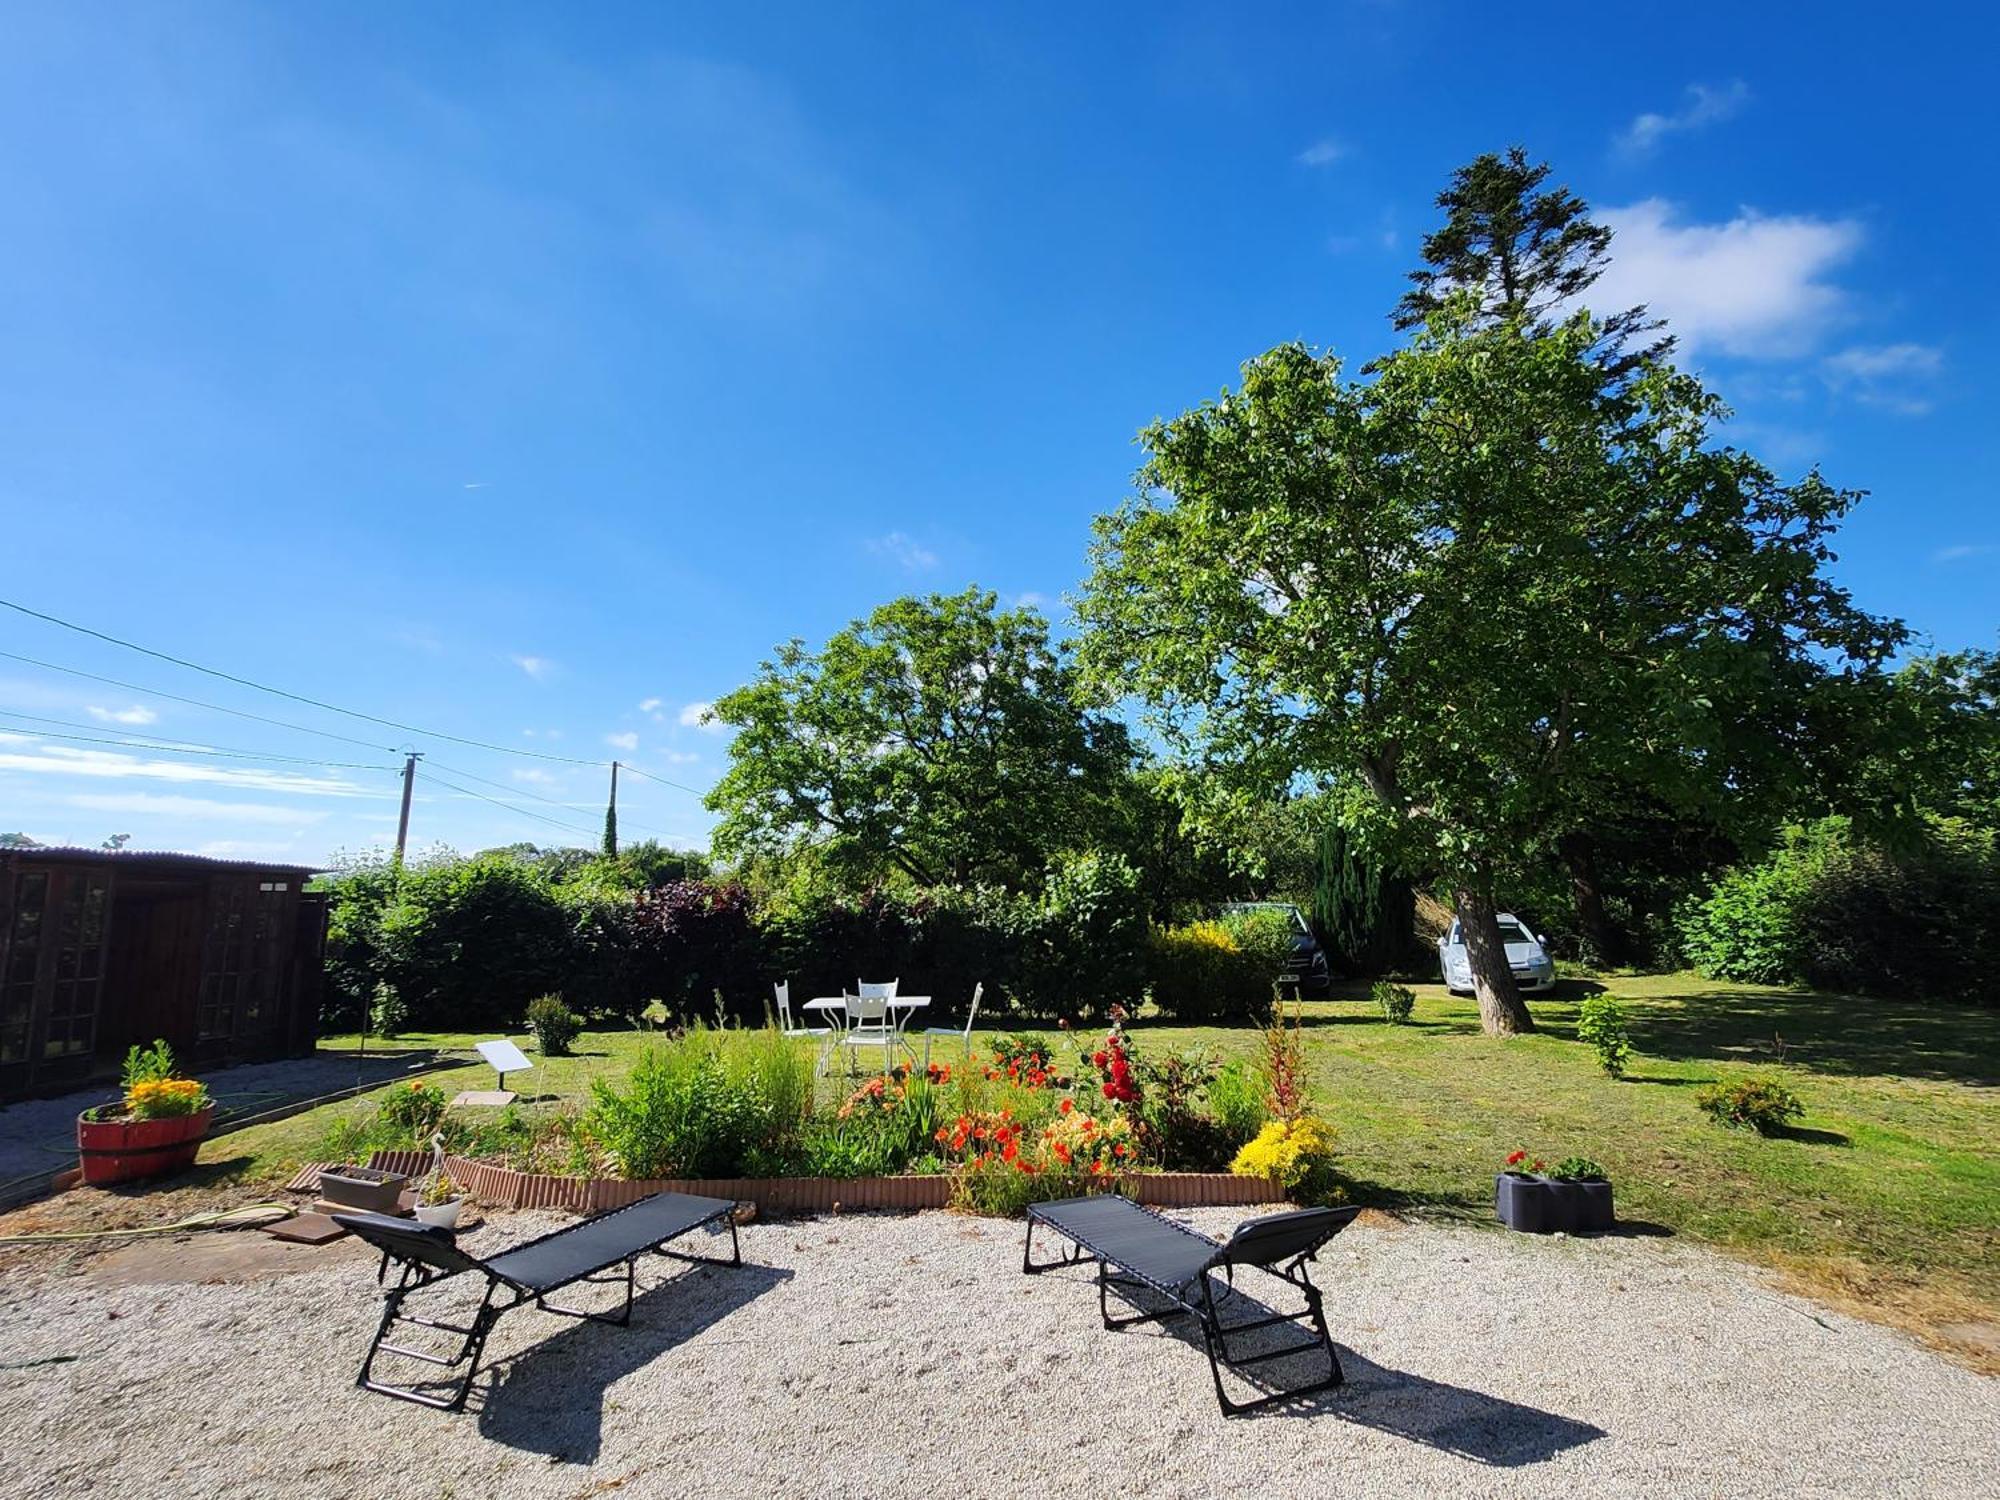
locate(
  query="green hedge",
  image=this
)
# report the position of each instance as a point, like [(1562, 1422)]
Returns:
[(1831, 910), (467, 943)]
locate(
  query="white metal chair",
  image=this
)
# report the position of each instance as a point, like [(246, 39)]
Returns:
[(883, 991), (964, 1034), (872, 1022), (788, 1027)]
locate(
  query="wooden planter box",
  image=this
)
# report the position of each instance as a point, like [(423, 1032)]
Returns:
[(506, 1188), (128, 1150), (1548, 1205)]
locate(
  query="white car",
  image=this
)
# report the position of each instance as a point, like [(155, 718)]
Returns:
[(1527, 956)]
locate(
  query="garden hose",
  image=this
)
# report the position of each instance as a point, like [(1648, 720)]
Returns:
[(250, 1216)]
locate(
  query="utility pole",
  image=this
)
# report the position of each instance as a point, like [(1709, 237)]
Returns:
[(611, 816), (409, 785)]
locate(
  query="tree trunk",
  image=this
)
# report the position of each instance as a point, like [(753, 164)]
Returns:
[(1579, 855), (1501, 1010)]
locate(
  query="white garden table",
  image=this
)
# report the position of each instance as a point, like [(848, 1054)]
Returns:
[(835, 1008)]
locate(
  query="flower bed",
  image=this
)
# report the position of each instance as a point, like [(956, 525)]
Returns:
[(504, 1187)]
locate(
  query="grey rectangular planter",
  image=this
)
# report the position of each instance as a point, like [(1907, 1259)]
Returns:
[(1548, 1205), (366, 1188)]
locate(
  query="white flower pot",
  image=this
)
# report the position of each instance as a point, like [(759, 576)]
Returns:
[(444, 1215)]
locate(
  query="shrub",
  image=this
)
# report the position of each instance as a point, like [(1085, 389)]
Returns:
[(1828, 909), (1760, 1104), (1178, 1132), (693, 938), (1082, 944), (413, 1112), (1265, 939), (1283, 1066), (709, 1104), (554, 1024), (1236, 1099), (463, 943), (1600, 1023), (1298, 1153), (1396, 1000), (1201, 972), (388, 1016)]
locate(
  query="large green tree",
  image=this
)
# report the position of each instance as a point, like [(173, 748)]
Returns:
[(1479, 592), (938, 740)]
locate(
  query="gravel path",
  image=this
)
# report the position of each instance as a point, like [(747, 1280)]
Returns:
[(889, 1355)]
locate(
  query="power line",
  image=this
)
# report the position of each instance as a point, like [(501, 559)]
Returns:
[(551, 801), (524, 812), (181, 747), (677, 786), (194, 666), (133, 687)]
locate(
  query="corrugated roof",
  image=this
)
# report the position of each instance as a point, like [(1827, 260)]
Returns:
[(167, 857)]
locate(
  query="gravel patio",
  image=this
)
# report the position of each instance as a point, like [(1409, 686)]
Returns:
[(907, 1355)]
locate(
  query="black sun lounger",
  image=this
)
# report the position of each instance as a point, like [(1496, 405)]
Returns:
[(1135, 1247), (526, 1273)]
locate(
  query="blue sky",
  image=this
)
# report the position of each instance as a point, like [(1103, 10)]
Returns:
[(526, 373)]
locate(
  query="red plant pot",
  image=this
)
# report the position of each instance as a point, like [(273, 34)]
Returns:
[(127, 1150)]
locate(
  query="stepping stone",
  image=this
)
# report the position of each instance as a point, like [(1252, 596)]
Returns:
[(306, 1229), (484, 1099)]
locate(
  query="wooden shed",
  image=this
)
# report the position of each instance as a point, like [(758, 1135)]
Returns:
[(102, 949)]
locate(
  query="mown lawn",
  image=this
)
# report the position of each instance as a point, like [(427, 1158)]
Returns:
[(1886, 1198)]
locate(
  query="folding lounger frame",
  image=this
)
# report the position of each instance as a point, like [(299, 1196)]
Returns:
[(429, 1254), (1118, 1233)]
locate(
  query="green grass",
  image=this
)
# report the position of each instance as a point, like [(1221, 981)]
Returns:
[(1886, 1195)]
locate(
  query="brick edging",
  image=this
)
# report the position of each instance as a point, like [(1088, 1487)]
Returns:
[(506, 1188)]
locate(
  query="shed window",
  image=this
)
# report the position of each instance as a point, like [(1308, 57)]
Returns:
[(18, 962)]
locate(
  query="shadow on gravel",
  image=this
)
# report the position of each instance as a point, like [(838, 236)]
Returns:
[(1466, 1423), (549, 1399)]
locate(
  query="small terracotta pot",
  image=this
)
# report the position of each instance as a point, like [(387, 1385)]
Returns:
[(128, 1150)]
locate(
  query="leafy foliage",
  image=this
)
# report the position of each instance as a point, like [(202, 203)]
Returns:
[(938, 740), (709, 1104), (1600, 1023), (1197, 973), (554, 1024), (1320, 578), (1579, 1169), (1760, 1104), (1830, 909), (1299, 1154), (1395, 1000)]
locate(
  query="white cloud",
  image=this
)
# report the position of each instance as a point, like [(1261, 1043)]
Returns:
[(534, 776), (152, 804), (137, 714), (21, 753), (1753, 286), (649, 705), (1321, 154), (1962, 551), (1894, 376), (629, 740), (906, 551), (1703, 106), (701, 716), (537, 667), (681, 757)]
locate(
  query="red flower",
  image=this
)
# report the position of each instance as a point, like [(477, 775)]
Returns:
[(1067, 1105), (1110, 1092), (1100, 1057), (1517, 1158)]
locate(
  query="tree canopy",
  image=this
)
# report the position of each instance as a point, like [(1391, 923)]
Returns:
[(1481, 592), (1524, 254), (938, 740)]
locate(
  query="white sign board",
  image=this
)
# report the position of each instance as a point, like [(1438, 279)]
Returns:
[(504, 1056)]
